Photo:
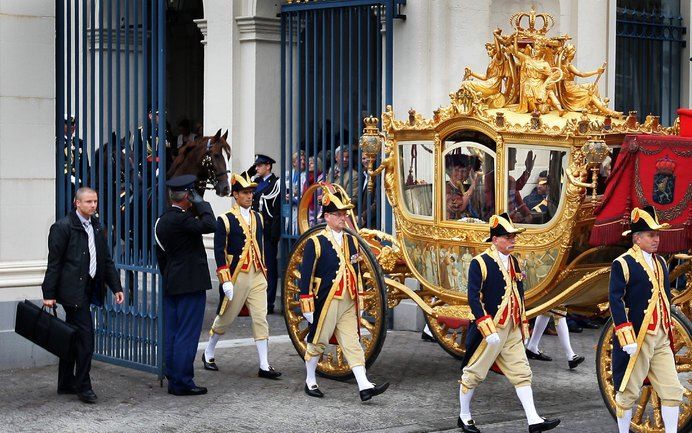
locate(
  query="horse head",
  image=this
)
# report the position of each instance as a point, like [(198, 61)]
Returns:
[(205, 158)]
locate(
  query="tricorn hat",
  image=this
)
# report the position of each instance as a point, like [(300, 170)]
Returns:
[(643, 220), (501, 225), (182, 183), (263, 159), (242, 181), (334, 199)]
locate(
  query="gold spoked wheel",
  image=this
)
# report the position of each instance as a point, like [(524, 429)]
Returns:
[(646, 415), (452, 340), (333, 365)]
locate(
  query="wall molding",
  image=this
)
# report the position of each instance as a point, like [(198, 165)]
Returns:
[(253, 29), (22, 274)]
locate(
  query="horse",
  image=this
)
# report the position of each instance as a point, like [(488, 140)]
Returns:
[(204, 158)]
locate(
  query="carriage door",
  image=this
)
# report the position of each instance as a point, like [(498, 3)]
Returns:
[(336, 68), (110, 130)]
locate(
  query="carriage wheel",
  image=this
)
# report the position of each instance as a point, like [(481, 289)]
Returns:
[(646, 415), (333, 365), (452, 340)]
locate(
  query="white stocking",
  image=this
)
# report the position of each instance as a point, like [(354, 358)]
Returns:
[(465, 404), (310, 368), (361, 378), (538, 330), (624, 422), (211, 346), (525, 395), (262, 349), (563, 335), (670, 418)]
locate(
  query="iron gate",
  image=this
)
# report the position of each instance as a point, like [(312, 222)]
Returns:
[(649, 46), (110, 83), (335, 70)]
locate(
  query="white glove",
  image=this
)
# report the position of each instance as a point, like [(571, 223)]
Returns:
[(308, 317), (228, 290), (492, 339), (630, 348)]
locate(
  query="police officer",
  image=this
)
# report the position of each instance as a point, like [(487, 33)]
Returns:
[(496, 298), (640, 307), (183, 263), (267, 202), (239, 252), (331, 295)]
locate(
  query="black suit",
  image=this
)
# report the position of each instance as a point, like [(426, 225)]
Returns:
[(267, 201), (67, 280), (183, 264)]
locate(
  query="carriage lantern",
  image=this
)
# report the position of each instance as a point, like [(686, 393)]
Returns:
[(595, 152), (371, 144)]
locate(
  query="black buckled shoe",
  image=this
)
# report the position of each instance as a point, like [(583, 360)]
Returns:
[(197, 390), (426, 337), (539, 356), (209, 365), (574, 362), (468, 428), (369, 393), (268, 374), (313, 392), (87, 396), (547, 424)]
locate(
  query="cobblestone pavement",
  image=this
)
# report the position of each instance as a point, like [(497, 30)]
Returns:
[(423, 395)]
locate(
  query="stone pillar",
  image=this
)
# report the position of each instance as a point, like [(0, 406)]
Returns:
[(27, 166)]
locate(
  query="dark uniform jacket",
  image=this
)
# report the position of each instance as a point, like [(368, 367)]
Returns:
[(486, 292), (267, 201), (237, 245), (322, 263), (67, 272), (183, 260), (630, 294)]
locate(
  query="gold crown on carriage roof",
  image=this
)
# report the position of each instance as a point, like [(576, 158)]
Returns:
[(517, 20)]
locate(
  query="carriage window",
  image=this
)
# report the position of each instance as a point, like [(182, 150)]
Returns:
[(469, 181), (535, 183), (416, 171)]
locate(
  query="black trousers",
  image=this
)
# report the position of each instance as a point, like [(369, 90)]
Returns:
[(75, 372)]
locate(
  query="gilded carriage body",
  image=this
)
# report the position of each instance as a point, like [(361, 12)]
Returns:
[(523, 138)]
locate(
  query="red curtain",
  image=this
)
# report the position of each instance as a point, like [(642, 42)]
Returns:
[(650, 170)]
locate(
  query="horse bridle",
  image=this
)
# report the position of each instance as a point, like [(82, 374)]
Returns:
[(213, 176)]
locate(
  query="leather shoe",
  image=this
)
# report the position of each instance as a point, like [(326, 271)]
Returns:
[(578, 359), (468, 428), (313, 392), (369, 393), (426, 337), (197, 390), (539, 356), (68, 390), (268, 374), (547, 424), (209, 365), (87, 396)]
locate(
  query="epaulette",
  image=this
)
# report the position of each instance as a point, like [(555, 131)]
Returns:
[(481, 264), (624, 266)]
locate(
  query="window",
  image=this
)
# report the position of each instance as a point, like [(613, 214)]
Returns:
[(469, 177), (534, 183), (417, 178)]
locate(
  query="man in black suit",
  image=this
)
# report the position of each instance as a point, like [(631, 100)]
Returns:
[(183, 264), (266, 201), (79, 267)]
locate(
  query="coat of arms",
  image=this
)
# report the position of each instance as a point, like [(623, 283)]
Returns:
[(664, 181)]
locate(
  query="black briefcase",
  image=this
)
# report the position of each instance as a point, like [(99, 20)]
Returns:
[(45, 329)]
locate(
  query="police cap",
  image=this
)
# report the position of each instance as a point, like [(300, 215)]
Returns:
[(182, 183), (264, 159)]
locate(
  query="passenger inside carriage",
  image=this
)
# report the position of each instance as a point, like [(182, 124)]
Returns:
[(460, 187)]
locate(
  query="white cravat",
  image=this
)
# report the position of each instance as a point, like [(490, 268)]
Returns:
[(504, 258), (338, 237), (246, 214), (649, 259)]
